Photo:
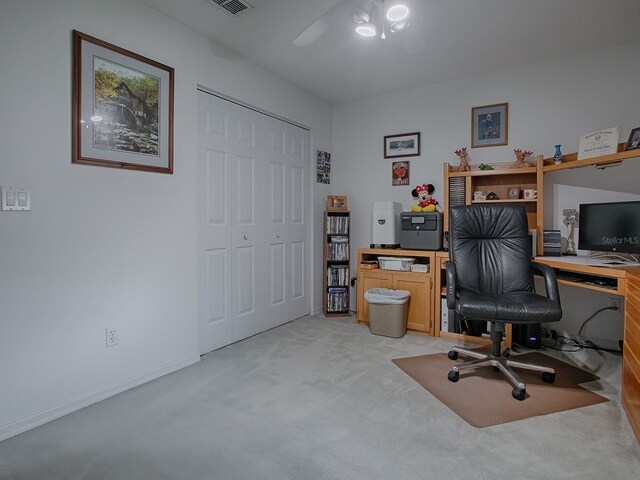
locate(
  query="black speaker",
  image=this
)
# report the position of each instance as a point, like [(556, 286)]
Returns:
[(528, 335)]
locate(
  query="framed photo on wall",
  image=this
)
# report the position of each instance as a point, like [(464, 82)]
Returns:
[(122, 108), (402, 145), (400, 173), (490, 125)]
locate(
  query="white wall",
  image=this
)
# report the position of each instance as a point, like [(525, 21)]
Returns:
[(550, 103), (103, 247)]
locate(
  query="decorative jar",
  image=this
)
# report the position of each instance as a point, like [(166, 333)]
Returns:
[(557, 157)]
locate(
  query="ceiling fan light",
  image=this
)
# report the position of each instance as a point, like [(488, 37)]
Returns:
[(397, 13), (360, 16), (399, 26), (366, 29)]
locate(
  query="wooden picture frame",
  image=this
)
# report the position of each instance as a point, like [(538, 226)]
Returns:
[(337, 203), (634, 139), (122, 113), (490, 125), (513, 193), (402, 145)]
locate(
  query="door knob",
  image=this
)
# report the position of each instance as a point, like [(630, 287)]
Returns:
[(246, 237)]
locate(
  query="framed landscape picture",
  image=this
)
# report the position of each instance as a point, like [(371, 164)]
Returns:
[(403, 145), (489, 125), (122, 108)]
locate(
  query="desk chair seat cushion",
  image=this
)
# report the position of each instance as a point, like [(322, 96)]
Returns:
[(511, 307)]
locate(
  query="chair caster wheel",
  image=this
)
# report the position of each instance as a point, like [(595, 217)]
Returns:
[(548, 377), (495, 369), (453, 355), (453, 376), (519, 393)]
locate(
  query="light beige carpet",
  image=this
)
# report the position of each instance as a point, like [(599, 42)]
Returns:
[(483, 397)]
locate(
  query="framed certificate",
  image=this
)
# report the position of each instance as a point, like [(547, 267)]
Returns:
[(597, 144)]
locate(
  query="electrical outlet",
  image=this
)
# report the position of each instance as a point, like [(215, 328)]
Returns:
[(614, 303), (112, 337)]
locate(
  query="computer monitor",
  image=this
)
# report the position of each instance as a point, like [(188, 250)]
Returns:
[(610, 227)]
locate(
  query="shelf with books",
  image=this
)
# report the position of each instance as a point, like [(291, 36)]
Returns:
[(336, 263)]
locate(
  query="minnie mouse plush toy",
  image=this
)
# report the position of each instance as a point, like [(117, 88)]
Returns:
[(426, 203)]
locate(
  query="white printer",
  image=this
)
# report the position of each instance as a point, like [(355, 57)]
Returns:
[(386, 224)]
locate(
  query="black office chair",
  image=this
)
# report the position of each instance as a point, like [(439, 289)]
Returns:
[(490, 279)]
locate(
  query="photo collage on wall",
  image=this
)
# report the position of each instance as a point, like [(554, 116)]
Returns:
[(323, 167)]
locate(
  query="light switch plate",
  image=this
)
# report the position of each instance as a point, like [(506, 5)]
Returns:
[(16, 199)]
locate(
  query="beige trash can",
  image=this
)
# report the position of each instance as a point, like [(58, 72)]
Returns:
[(387, 311)]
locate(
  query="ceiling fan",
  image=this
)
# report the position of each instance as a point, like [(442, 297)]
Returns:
[(370, 18)]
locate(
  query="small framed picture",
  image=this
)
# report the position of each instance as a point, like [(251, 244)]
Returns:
[(400, 173), (514, 193), (489, 125), (634, 139), (402, 145), (337, 203)]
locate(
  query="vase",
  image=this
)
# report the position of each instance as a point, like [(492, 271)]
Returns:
[(557, 157)]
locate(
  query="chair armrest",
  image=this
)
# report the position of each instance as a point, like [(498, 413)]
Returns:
[(450, 271), (550, 282)]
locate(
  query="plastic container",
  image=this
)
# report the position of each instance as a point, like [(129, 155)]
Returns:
[(396, 263), (388, 311)]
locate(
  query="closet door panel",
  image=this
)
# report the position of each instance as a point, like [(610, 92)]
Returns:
[(298, 220)]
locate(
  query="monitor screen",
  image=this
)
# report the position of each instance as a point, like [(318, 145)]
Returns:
[(610, 227)]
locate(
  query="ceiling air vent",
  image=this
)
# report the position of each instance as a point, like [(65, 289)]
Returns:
[(234, 7)]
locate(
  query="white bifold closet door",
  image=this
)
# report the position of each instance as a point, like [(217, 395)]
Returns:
[(253, 222)]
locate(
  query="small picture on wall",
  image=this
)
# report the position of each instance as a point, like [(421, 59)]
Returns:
[(403, 145), (323, 167), (399, 173), (489, 125)]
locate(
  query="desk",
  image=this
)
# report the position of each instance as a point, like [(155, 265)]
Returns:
[(623, 280)]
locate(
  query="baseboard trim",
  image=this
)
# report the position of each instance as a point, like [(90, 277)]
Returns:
[(44, 416)]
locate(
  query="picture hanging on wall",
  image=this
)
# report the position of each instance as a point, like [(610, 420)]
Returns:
[(122, 108), (402, 145), (490, 125), (323, 167), (400, 173)]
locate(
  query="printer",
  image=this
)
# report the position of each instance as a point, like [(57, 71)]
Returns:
[(421, 230)]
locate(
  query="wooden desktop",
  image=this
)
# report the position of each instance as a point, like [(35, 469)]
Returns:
[(620, 279)]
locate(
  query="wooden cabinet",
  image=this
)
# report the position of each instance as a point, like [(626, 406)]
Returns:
[(336, 263), (501, 181), (631, 357), (419, 284)]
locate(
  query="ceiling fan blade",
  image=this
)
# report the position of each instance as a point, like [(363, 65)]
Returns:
[(341, 8), (312, 32)]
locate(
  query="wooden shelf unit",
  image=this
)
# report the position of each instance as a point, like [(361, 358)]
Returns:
[(336, 271), (420, 284), (460, 186)]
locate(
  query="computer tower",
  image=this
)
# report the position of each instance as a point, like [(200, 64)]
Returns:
[(528, 335)]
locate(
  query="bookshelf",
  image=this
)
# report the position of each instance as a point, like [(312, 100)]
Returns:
[(336, 263)]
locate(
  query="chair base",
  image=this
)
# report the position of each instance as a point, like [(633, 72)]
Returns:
[(501, 363)]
